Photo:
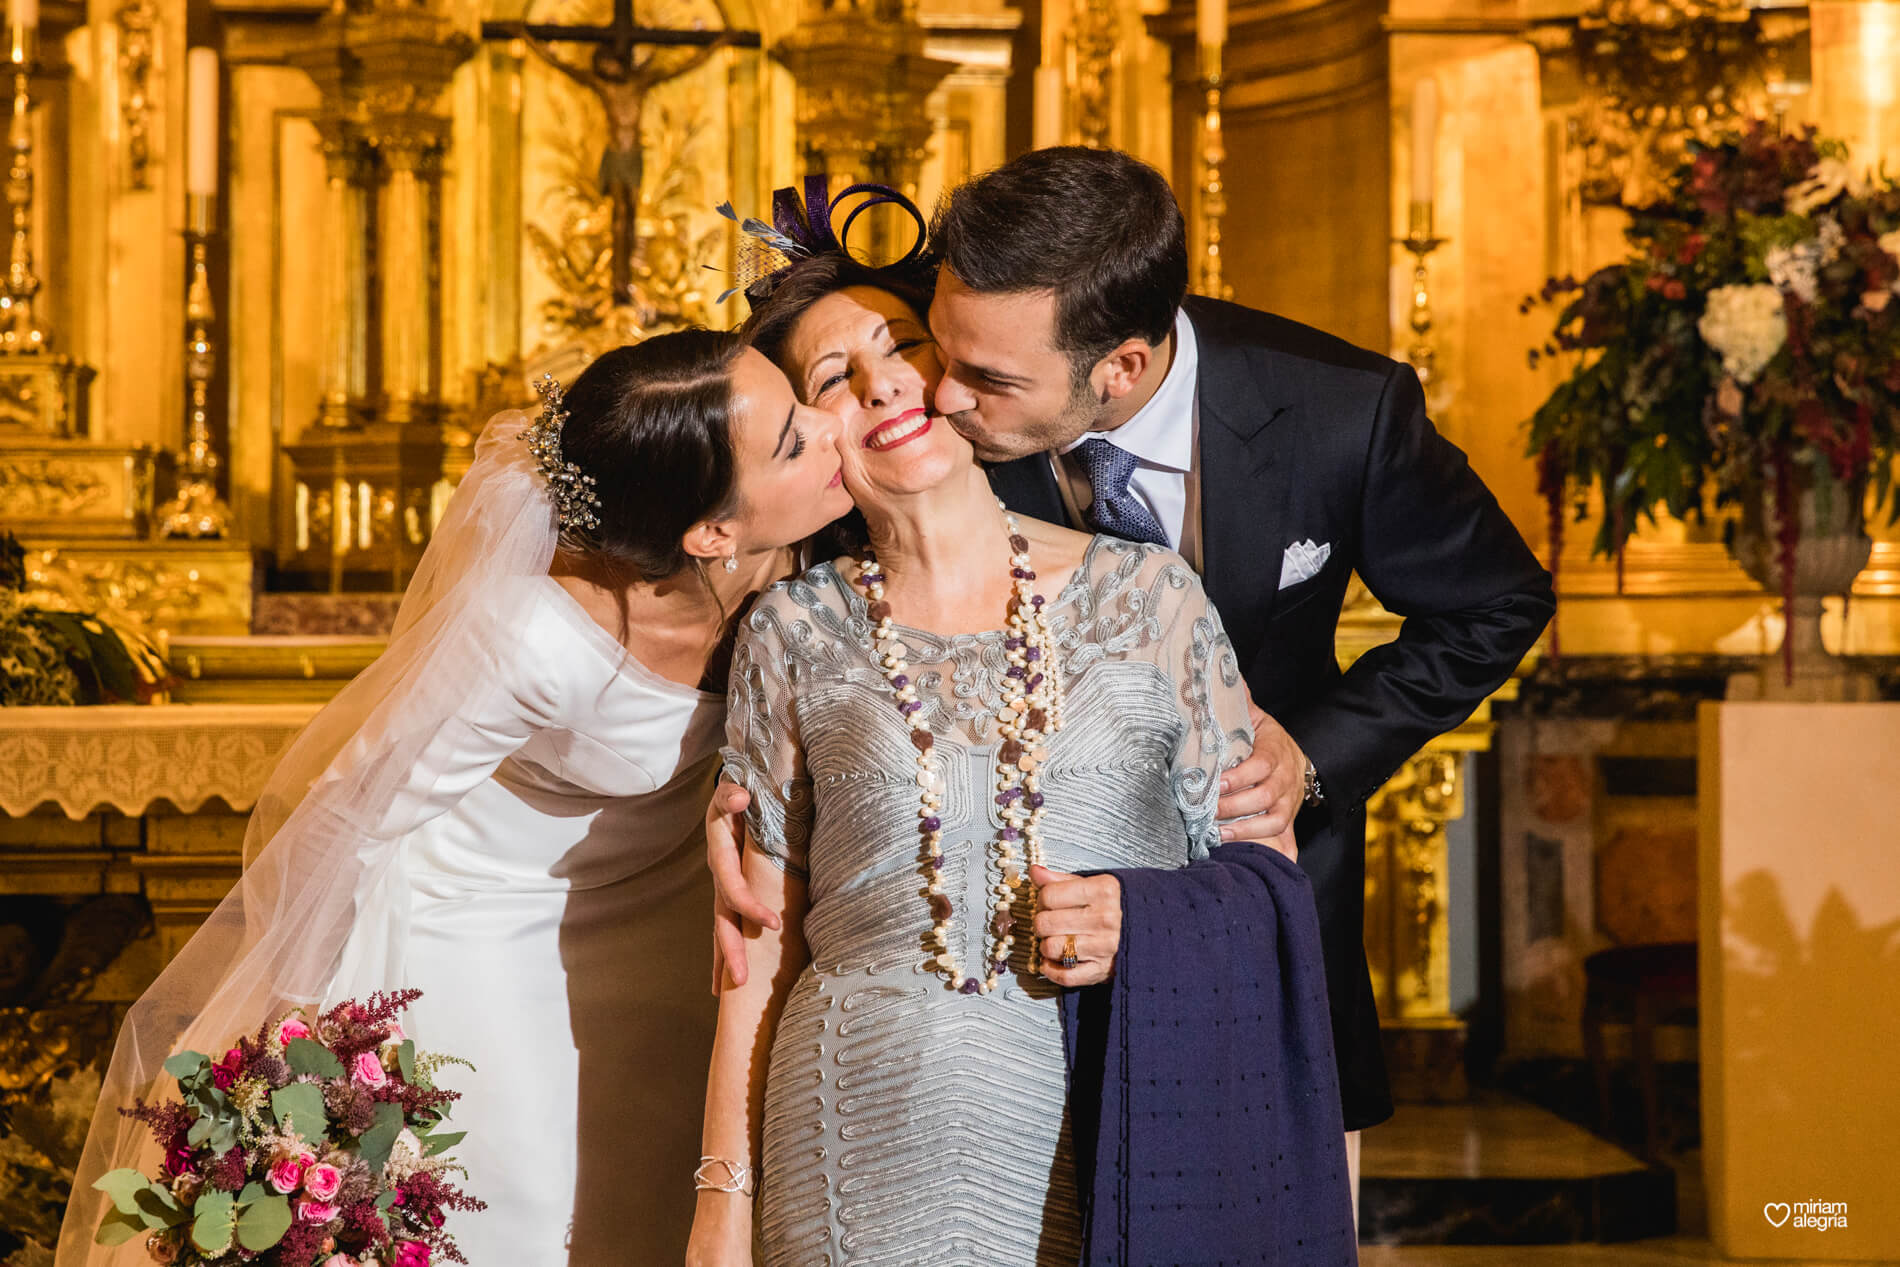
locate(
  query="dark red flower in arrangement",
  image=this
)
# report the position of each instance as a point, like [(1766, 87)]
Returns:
[(227, 1071)]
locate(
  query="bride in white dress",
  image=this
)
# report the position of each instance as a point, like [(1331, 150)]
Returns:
[(505, 810)]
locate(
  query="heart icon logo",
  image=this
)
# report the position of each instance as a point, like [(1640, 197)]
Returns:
[(1776, 1212)]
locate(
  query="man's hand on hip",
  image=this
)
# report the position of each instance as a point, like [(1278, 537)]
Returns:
[(1267, 788), (733, 902)]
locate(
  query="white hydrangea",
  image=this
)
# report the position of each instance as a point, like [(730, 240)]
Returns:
[(1796, 269), (1826, 181), (1746, 325)]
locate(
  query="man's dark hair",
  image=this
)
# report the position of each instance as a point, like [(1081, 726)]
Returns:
[(1099, 228)]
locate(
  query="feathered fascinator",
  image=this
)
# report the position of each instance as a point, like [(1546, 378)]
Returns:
[(801, 228)]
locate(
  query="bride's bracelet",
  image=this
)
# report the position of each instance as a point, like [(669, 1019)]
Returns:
[(738, 1178)]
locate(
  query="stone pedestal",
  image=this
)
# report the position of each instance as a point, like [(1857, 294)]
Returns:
[(1800, 974)]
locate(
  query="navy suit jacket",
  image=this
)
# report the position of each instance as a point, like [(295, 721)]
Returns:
[(1303, 436)]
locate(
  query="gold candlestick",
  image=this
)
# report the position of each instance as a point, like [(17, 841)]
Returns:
[(1420, 242), (197, 510), (1213, 192), (20, 331)]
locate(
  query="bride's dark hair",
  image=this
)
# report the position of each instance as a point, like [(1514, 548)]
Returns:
[(652, 424)]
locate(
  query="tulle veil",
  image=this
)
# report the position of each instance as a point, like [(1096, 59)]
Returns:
[(297, 928)]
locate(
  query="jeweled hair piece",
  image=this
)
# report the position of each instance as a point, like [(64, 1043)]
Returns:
[(576, 505)]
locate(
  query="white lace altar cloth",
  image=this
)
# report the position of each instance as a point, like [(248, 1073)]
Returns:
[(127, 758)]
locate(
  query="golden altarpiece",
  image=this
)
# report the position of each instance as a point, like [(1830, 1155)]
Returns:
[(235, 393)]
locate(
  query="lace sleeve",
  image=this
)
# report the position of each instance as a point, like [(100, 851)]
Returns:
[(764, 752), (1217, 734)]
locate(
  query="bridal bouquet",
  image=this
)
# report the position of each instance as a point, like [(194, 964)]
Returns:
[(313, 1143)]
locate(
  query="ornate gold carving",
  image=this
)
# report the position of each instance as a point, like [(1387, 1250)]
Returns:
[(145, 587), (75, 491), (1095, 24), (1407, 932), (138, 27), (1656, 74)]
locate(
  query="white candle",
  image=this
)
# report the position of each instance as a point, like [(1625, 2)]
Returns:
[(201, 114), (1424, 138), (23, 14), (1211, 21)]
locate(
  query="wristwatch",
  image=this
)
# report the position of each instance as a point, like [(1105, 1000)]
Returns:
[(1311, 793)]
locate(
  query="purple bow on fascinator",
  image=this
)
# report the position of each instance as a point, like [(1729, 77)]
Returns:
[(801, 228)]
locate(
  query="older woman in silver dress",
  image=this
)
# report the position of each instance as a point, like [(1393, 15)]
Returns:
[(936, 728)]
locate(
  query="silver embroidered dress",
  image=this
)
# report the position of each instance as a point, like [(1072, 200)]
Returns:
[(905, 1122)]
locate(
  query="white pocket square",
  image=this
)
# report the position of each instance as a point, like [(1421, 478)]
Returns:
[(1302, 560)]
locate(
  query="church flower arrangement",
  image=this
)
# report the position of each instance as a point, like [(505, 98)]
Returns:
[(1748, 348), (314, 1142)]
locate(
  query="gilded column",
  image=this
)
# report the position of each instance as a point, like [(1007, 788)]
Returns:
[(344, 369), (404, 226)]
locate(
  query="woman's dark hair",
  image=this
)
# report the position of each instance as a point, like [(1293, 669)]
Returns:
[(652, 423), (806, 282), (1099, 228)]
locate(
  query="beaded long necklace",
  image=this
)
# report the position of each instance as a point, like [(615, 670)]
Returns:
[(1031, 711)]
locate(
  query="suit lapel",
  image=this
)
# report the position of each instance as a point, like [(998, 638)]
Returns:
[(1246, 479)]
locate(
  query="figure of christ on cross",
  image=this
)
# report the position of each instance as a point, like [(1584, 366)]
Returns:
[(621, 80)]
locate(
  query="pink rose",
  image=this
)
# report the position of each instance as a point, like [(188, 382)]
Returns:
[(309, 1211), (396, 1034), (292, 1028), (286, 1173), (341, 1260), (412, 1254), (369, 1069), (322, 1181)]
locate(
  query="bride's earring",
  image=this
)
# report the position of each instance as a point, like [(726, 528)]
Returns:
[(731, 563)]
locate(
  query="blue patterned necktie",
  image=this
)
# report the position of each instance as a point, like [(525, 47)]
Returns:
[(1112, 507)]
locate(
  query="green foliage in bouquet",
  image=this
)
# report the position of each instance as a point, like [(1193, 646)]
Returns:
[(59, 657), (1750, 342)]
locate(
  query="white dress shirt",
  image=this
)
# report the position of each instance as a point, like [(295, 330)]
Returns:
[(1162, 437)]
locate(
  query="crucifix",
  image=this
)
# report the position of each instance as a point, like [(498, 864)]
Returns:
[(621, 79)]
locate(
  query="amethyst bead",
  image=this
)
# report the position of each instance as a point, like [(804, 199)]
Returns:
[(901, 681), (1020, 575), (911, 705), (1004, 798), (1014, 644), (1033, 654), (1000, 967), (933, 823), (1012, 835), (936, 863), (1033, 800), (1015, 670), (1035, 681), (969, 986)]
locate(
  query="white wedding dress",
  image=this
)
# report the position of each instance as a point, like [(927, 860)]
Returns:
[(503, 811), (557, 908)]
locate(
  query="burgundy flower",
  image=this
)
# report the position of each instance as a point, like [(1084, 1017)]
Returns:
[(227, 1071)]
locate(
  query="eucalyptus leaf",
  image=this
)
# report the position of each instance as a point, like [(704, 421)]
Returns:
[(186, 1063), (406, 1059), (123, 1186), (262, 1224), (200, 1131), (224, 1137), (118, 1227), (308, 1056), (253, 1191), (160, 1209), (433, 1144), (211, 1229), (380, 1138), (299, 1108)]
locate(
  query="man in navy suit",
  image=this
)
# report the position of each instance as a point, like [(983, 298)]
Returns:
[(1278, 460)]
